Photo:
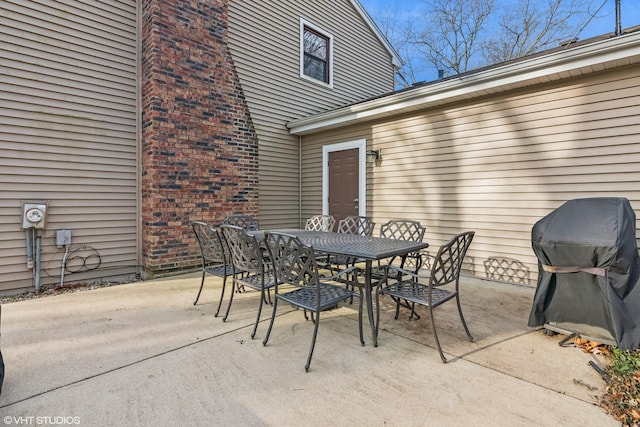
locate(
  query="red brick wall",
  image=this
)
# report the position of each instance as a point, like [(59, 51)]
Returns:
[(199, 147)]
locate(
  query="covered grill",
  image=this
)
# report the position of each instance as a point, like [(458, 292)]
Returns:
[(589, 269)]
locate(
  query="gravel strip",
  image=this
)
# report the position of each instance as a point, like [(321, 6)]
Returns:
[(47, 291)]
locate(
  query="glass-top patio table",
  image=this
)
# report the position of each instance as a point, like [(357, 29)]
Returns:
[(367, 249)]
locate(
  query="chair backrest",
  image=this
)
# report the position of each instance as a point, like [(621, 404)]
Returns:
[(244, 221), (403, 229), (211, 246), (362, 225), (293, 262), (320, 223), (448, 261), (245, 252)]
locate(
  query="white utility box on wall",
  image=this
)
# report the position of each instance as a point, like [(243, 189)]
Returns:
[(34, 215)]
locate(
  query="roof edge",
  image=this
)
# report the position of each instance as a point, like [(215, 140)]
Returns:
[(474, 84), (396, 60)]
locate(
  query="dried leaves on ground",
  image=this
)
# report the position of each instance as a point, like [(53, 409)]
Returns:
[(622, 394), (621, 398)]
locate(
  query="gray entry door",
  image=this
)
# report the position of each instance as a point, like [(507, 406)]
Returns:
[(343, 183)]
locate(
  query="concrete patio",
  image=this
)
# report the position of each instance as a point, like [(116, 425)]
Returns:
[(141, 354)]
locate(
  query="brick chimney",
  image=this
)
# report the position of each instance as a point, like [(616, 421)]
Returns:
[(199, 155)]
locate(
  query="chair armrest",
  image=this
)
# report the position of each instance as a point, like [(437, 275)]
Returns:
[(399, 276), (401, 271), (426, 259), (355, 270), (343, 272)]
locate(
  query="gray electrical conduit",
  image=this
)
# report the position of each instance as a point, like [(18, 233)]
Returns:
[(34, 237), (37, 267), (64, 264), (28, 232)]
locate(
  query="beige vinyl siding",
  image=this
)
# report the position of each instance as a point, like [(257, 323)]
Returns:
[(498, 164), (68, 134), (264, 42)]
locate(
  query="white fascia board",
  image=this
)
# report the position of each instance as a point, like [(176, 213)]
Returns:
[(476, 84)]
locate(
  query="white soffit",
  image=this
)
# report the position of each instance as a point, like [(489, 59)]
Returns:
[(609, 53)]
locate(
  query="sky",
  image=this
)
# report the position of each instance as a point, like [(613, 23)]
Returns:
[(604, 22)]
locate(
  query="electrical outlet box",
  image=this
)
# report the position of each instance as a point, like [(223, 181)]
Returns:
[(63, 237)]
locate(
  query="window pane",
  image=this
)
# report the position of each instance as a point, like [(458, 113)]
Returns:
[(316, 55), (315, 45), (315, 68)]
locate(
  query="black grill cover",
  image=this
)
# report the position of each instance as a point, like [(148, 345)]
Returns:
[(588, 268)]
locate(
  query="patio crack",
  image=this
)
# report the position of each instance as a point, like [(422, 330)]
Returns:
[(493, 344)]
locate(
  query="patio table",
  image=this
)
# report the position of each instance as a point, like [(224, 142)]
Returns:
[(364, 248)]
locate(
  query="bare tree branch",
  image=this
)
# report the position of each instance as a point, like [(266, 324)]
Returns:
[(451, 32), (456, 36), (533, 25), (394, 27)]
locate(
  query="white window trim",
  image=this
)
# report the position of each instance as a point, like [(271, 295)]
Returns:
[(361, 145), (305, 23)]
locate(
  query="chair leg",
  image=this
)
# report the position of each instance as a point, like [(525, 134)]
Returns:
[(224, 284), (409, 305), (350, 286), (273, 317), (413, 311), (354, 278), (313, 341), (255, 327), (233, 291), (361, 306), (377, 311), (464, 324), (201, 285), (435, 335)]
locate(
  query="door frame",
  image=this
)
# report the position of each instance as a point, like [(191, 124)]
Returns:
[(361, 145)]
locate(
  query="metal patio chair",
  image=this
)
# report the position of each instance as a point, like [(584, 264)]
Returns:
[(404, 229), (362, 225), (250, 267), (296, 267), (320, 223), (244, 221), (215, 260), (445, 269)]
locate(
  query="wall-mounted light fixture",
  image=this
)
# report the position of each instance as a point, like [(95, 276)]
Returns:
[(373, 156)]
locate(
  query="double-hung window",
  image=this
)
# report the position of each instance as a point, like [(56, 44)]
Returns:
[(316, 54)]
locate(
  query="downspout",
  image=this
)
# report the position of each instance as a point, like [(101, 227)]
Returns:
[(139, 222), (299, 180)]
